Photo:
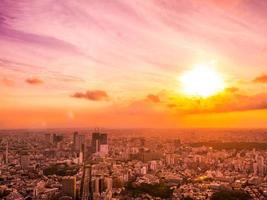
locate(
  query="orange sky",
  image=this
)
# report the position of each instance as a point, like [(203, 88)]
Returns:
[(119, 63)]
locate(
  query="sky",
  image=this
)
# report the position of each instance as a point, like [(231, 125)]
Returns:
[(118, 63)]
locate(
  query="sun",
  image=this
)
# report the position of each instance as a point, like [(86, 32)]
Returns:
[(203, 81)]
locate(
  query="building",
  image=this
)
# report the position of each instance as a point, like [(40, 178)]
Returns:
[(98, 140), (153, 165), (261, 166), (69, 186), (177, 143), (108, 182), (53, 138), (170, 159), (6, 156), (48, 137), (81, 157), (78, 141), (103, 149), (99, 186), (25, 161)]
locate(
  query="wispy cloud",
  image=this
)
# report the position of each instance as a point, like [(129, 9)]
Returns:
[(136, 47), (180, 28)]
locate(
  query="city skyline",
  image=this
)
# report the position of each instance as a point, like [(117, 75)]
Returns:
[(120, 64), (133, 164)]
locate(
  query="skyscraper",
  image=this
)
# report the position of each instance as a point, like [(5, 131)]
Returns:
[(78, 141), (7, 152), (98, 140), (69, 186), (24, 161), (75, 134)]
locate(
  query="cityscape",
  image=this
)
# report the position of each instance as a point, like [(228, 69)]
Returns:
[(132, 164), (133, 100)]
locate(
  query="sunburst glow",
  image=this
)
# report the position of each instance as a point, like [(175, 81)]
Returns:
[(203, 80)]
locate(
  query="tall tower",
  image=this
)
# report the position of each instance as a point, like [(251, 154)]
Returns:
[(78, 141), (95, 142), (7, 152), (75, 134), (69, 186), (25, 161), (99, 142)]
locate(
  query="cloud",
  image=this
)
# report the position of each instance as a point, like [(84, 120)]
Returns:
[(93, 95), (261, 79), (231, 101), (153, 98), (34, 81), (232, 89), (243, 102), (171, 105)]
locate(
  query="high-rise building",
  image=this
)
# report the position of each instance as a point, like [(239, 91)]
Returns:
[(6, 158), (48, 137), (99, 139), (81, 157), (103, 149), (95, 187), (95, 142), (177, 143), (24, 161), (75, 134), (78, 141), (260, 164), (69, 186), (153, 165), (53, 138), (108, 189), (108, 182), (98, 186), (170, 158), (143, 170), (86, 187)]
